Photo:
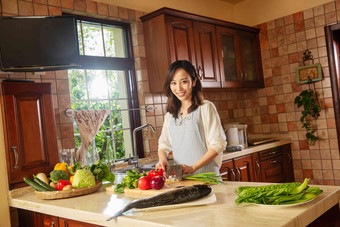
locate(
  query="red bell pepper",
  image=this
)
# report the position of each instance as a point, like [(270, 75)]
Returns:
[(62, 183), (154, 173)]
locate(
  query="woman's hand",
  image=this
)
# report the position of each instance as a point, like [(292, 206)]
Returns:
[(162, 164), (187, 169)]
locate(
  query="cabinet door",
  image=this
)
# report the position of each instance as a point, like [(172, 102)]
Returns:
[(71, 223), (227, 170), (30, 133), (180, 36), (273, 170), (206, 55), (229, 57), (244, 168), (256, 167), (288, 163), (44, 220), (251, 69)]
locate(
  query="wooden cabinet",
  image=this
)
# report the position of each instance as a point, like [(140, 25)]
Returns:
[(29, 130), (207, 64), (34, 219), (239, 58), (225, 55), (238, 169), (272, 165)]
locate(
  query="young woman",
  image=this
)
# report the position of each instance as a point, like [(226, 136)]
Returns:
[(192, 129)]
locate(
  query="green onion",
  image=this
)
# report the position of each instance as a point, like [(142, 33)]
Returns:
[(209, 178)]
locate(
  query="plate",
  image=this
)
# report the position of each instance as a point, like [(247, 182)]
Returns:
[(282, 206), (211, 198), (68, 194)]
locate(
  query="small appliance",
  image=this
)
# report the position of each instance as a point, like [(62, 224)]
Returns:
[(236, 134)]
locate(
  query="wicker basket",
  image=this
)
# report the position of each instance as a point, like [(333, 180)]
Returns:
[(68, 194)]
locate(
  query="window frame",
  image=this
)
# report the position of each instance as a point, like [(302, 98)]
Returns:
[(123, 64)]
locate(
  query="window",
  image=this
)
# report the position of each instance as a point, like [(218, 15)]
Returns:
[(106, 80)]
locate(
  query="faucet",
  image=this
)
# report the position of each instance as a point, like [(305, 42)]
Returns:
[(134, 159), (111, 165)]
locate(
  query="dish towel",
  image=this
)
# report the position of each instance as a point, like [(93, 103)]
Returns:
[(89, 122)]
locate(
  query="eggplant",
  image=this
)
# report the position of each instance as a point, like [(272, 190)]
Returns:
[(176, 196)]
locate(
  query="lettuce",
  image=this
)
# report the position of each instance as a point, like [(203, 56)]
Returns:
[(83, 178)]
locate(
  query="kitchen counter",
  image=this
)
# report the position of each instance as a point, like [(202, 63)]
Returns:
[(97, 207), (253, 149)]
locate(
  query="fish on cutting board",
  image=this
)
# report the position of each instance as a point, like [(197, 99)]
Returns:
[(176, 196)]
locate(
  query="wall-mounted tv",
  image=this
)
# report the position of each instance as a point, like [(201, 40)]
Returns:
[(30, 44)]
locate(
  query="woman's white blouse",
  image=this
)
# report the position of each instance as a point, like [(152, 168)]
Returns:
[(213, 132)]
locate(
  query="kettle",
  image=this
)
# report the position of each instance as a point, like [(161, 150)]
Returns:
[(236, 134)]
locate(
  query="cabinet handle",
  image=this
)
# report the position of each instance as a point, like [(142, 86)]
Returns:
[(239, 173), (258, 168), (200, 72), (273, 162), (52, 224), (234, 174), (15, 157), (272, 152), (289, 158), (244, 75)]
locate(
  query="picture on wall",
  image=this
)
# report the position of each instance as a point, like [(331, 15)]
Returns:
[(309, 73)]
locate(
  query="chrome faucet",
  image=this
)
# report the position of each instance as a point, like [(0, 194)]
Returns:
[(134, 159), (111, 165)]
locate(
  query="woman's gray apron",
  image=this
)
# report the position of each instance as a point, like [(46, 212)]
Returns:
[(188, 141)]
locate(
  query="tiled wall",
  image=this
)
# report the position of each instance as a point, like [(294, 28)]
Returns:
[(266, 111), (283, 42)]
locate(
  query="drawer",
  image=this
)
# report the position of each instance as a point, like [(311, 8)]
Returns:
[(270, 153), (273, 170)]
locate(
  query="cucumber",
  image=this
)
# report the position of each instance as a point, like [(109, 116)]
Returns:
[(34, 185), (43, 184)]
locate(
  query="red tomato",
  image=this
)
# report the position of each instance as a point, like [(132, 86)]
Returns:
[(62, 183), (144, 183)]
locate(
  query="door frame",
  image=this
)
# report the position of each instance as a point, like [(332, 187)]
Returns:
[(332, 33)]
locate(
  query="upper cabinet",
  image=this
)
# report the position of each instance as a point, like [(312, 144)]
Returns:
[(29, 130), (225, 55)]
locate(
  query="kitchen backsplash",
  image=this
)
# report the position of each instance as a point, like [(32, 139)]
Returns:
[(270, 110)]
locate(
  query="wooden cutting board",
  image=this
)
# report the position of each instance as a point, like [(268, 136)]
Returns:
[(151, 192)]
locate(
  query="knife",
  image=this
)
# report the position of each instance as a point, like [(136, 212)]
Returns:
[(174, 171)]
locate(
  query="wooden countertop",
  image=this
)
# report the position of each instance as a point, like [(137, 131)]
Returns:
[(97, 207), (253, 149)]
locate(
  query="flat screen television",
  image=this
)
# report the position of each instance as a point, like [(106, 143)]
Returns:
[(29, 44)]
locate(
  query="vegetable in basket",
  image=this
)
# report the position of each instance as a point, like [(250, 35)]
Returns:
[(57, 175), (83, 178)]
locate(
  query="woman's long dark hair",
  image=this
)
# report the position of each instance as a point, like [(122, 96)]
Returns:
[(174, 104)]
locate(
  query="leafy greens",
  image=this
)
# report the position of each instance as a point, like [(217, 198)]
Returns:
[(278, 194)]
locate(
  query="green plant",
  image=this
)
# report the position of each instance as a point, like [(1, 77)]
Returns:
[(311, 108)]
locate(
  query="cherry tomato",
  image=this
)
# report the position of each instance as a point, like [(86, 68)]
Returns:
[(144, 183)]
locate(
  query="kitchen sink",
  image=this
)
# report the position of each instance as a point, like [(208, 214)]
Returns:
[(140, 169)]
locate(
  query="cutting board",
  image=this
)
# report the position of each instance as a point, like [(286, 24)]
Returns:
[(151, 192)]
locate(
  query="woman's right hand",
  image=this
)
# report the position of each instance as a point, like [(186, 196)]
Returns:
[(162, 164)]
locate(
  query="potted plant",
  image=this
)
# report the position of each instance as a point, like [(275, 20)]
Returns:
[(311, 109)]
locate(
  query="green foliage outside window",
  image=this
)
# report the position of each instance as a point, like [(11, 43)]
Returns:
[(101, 89)]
